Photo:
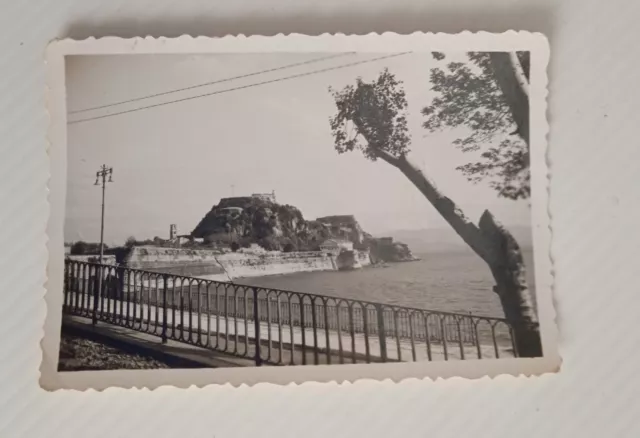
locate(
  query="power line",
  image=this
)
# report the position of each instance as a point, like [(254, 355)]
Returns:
[(237, 88), (135, 99)]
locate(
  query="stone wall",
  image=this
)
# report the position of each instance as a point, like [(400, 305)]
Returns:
[(230, 265), (106, 259), (177, 261), (274, 263), (363, 257)]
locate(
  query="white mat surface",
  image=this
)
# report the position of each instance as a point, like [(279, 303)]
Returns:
[(595, 207)]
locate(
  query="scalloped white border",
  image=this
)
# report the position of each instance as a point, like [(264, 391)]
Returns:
[(388, 42)]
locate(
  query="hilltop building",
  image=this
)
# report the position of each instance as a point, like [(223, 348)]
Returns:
[(269, 197), (336, 246)]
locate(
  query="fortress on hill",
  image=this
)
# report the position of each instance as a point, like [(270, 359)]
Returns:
[(251, 236), (243, 222)]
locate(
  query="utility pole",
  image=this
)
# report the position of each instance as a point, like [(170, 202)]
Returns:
[(102, 175)]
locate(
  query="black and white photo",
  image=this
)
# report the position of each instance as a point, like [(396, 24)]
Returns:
[(342, 207)]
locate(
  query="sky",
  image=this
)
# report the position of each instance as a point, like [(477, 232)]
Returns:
[(173, 162)]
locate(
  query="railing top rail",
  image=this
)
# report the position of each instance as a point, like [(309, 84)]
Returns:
[(311, 296)]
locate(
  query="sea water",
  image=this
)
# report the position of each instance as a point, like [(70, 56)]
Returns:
[(452, 281)]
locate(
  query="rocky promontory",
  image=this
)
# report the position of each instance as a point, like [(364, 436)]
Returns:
[(247, 220), (384, 249)]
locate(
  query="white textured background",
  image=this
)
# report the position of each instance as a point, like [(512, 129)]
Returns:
[(595, 208)]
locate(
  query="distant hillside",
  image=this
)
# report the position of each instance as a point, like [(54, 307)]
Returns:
[(445, 239), (255, 220), (246, 220)]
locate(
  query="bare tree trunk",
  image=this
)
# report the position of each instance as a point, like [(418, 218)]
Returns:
[(515, 88), (497, 247)]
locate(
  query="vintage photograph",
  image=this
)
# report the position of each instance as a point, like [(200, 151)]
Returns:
[(301, 208)]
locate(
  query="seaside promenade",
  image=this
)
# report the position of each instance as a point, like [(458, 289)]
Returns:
[(280, 343)]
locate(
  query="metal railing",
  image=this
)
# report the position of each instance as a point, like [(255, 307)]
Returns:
[(277, 326)]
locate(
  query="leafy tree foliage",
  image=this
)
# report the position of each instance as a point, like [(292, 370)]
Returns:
[(79, 248), (269, 243), (467, 95), (85, 248), (371, 117), (378, 115)]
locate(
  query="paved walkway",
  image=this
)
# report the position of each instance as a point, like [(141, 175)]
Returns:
[(285, 344), (174, 353)]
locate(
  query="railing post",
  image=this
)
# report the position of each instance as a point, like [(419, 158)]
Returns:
[(382, 335), (256, 325), (165, 281), (314, 323), (68, 281), (96, 294)]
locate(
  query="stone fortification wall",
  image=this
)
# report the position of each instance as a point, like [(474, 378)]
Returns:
[(363, 257), (106, 259), (274, 263), (230, 265), (177, 261)]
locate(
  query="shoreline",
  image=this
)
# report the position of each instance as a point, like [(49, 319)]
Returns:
[(232, 265), (371, 266)]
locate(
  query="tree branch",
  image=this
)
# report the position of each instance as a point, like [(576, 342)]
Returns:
[(515, 88), (386, 157), (467, 230)]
